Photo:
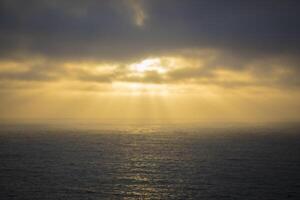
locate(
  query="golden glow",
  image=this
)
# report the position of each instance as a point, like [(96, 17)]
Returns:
[(167, 87), (137, 89), (151, 64)]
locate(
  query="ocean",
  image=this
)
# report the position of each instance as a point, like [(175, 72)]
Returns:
[(149, 161)]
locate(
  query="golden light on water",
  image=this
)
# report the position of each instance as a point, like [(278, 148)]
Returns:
[(149, 99)]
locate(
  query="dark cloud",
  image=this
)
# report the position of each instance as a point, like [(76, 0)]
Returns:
[(258, 37), (90, 29)]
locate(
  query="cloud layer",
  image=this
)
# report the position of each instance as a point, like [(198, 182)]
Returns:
[(111, 29), (228, 44)]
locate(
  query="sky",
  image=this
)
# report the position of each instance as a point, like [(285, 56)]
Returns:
[(205, 60)]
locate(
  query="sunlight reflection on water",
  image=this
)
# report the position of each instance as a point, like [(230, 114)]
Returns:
[(150, 163)]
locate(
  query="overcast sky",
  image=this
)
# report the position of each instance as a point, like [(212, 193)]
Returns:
[(92, 45)]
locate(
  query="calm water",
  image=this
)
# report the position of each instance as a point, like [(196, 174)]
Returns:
[(149, 162)]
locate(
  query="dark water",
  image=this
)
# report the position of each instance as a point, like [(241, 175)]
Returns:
[(148, 162)]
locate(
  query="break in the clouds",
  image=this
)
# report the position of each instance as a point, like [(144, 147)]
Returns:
[(210, 42)]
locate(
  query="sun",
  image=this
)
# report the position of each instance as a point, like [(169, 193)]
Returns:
[(150, 64)]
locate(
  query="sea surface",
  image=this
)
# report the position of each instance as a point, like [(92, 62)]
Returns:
[(149, 162)]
